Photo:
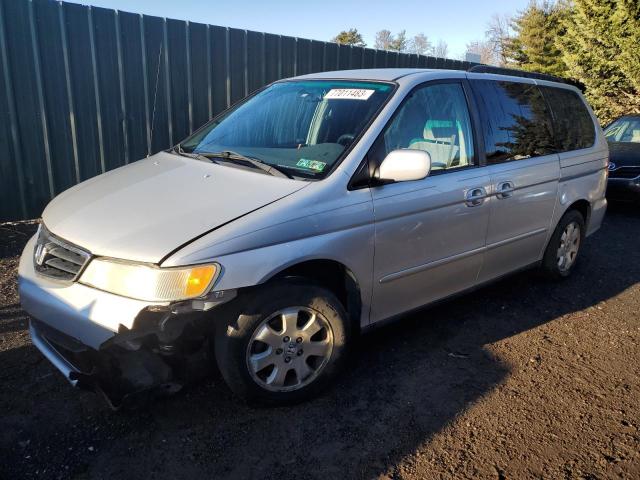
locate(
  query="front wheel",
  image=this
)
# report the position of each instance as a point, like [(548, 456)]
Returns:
[(285, 342), (562, 252)]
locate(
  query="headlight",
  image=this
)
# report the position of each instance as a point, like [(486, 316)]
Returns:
[(147, 282)]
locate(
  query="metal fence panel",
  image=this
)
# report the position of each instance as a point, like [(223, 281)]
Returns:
[(62, 143), (256, 70), (356, 57), (219, 58), (344, 57), (84, 90), (179, 78), (303, 56), (200, 70), (237, 63), (368, 58), (331, 57), (12, 195), (133, 73), (158, 93), (287, 57), (84, 85), (107, 84), (27, 94), (317, 56)]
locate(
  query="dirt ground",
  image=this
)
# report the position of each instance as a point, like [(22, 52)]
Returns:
[(521, 379)]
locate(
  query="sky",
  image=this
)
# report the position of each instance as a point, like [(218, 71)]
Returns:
[(455, 21)]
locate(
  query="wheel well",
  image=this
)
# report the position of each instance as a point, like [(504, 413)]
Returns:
[(333, 276), (584, 207)]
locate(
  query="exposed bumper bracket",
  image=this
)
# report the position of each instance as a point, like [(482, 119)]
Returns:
[(71, 373)]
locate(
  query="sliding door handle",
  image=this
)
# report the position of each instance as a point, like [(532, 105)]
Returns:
[(475, 196), (504, 190)]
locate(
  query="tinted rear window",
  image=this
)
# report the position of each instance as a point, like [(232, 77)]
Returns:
[(571, 120), (516, 121)]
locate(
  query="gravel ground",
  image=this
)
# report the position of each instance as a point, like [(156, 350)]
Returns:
[(521, 379)]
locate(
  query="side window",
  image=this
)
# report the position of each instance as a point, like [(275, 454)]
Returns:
[(572, 122), (516, 122), (435, 119)]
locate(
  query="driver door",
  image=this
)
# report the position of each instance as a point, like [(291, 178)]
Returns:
[(429, 234)]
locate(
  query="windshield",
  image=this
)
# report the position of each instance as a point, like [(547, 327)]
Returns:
[(624, 130), (302, 127)]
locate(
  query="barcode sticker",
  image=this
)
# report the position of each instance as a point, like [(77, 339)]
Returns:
[(348, 94)]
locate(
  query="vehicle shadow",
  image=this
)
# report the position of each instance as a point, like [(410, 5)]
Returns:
[(405, 383)]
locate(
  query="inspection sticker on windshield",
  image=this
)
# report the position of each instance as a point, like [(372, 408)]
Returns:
[(348, 94), (311, 164)]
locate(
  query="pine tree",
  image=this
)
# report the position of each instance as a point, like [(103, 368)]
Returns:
[(533, 47), (600, 49), (626, 22), (350, 37)]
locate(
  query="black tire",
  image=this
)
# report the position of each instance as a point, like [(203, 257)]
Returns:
[(232, 342), (550, 262)]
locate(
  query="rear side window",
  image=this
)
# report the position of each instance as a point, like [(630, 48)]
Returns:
[(571, 120), (516, 121)]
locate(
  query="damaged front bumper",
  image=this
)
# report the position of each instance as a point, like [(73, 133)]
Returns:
[(114, 345), (118, 372), (49, 350)]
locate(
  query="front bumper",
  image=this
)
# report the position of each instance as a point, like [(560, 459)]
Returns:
[(116, 374), (623, 189), (90, 316), (53, 354), (114, 345)]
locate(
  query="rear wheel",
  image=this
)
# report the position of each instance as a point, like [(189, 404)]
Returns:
[(562, 252), (286, 342)]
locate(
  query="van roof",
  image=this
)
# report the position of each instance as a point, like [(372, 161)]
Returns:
[(393, 74), (383, 74)]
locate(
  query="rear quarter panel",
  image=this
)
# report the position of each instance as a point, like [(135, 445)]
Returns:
[(583, 176)]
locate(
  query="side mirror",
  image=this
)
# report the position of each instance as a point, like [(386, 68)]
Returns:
[(404, 165)]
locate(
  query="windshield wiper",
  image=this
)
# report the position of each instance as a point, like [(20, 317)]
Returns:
[(230, 155), (179, 151), (235, 157)]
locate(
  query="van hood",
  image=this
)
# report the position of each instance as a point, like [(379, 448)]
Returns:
[(148, 209)]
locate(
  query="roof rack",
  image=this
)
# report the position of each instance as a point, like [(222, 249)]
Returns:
[(522, 73)]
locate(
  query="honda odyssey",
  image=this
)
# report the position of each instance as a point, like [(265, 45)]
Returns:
[(310, 211)]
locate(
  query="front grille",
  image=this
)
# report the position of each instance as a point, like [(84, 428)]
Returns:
[(56, 258), (625, 172)]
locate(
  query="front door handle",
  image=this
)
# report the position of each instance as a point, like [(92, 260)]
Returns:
[(504, 190), (475, 196)]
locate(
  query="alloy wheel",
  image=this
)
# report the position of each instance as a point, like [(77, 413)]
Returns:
[(289, 349), (569, 246)]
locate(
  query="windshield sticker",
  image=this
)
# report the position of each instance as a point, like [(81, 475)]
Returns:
[(311, 164), (348, 94)]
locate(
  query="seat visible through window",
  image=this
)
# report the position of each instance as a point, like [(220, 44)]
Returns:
[(434, 119)]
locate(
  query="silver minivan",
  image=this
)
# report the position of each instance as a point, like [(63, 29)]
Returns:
[(314, 209)]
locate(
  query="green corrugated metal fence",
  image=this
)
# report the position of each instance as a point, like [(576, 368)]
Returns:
[(78, 87)]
